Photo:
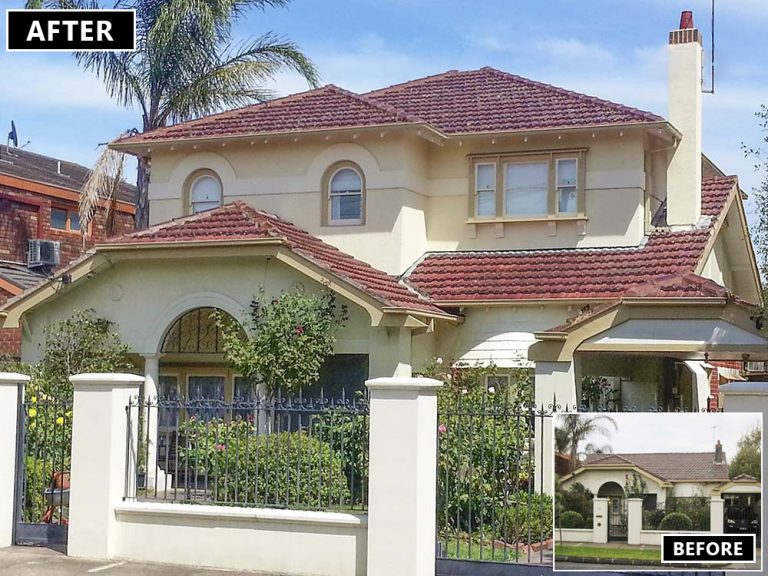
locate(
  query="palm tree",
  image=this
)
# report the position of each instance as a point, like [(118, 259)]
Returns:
[(185, 66), (573, 429)]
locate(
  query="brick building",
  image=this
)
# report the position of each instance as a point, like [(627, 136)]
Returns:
[(39, 201)]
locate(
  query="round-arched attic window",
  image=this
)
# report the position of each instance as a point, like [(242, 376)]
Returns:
[(205, 192), (195, 332)]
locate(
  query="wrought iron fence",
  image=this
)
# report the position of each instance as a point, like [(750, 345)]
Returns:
[(299, 453), (44, 457), (679, 513), (489, 505)]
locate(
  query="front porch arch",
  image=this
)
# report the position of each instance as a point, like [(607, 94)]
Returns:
[(199, 300), (610, 489)]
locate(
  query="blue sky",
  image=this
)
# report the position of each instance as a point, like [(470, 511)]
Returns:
[(677, 432), (614, 49)]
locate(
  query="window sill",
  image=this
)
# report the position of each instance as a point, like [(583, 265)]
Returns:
[(549, 218)]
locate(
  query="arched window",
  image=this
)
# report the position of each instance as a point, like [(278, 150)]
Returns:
[(204, 192), (345, 196)]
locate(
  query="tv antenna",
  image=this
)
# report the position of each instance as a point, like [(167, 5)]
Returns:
[(711, 89)]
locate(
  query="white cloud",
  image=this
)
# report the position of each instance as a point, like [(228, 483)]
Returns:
[(33, 80), (573, 50)]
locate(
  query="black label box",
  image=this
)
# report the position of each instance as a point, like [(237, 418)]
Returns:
[(707, 548), (70, 30)]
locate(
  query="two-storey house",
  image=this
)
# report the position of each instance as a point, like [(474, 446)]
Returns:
[(472, 215), (40, 223)]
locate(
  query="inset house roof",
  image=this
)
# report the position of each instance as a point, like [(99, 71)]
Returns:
[(19, 275), (33, 167), (239, 222), (670, 466), (455, 102), (588, 273)]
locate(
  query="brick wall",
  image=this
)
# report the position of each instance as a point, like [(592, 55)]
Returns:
[(25, 216), (714, 380)]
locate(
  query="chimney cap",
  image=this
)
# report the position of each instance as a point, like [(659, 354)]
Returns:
[(686, 20)]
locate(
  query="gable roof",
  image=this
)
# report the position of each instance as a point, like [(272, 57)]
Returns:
[(34, 167), (455, 102), (588, 273), (670, 466), (238, 222)]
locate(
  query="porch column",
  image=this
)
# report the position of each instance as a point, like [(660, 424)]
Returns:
[(390, 352), (634, 520), (11, 397), (600, 520), (716, 515), (554, 389), (402, 476), (99, 469), (151, 416)]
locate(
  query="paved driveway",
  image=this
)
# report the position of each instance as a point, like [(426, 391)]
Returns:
[(30, 561)]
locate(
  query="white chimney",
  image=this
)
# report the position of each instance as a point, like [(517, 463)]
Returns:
[(684, 174)]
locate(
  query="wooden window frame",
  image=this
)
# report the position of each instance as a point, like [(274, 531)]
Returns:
[(68, 229), (551, 157), (332, 170)]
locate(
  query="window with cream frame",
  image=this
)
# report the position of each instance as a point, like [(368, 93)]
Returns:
[(344, 195), (203, 191), (528, 186)]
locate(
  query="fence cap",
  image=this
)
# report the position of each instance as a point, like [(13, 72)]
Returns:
[(113, 379), (423, 384), (13, 378)]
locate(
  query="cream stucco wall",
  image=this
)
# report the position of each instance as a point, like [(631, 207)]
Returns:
[(417, 191), (144, 298), (594, 479)]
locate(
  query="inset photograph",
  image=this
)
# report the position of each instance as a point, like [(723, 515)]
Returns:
[(627, 485)]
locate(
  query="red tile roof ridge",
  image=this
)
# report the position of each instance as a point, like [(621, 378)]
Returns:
[(383, 106), (225, 113), (651, 117), (417, 81), (647, 116)]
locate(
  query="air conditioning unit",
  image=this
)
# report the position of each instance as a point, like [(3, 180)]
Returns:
[(43, 253)]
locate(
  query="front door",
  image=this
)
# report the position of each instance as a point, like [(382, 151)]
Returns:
[(617, 519)]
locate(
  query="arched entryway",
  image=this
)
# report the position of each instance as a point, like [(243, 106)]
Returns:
[(617, 510)]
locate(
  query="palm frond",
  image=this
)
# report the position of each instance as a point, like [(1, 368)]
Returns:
[(101, 186)]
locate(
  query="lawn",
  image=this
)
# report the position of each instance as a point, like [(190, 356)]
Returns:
[(609, 552)]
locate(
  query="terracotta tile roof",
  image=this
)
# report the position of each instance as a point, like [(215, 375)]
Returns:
[(325, 108), (485, 100), (19, 275), (237, 221), (671, 466), (568, 273), (489, 100)]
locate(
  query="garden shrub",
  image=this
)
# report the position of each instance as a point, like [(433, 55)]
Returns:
[(528, 518), (37, 478), (571, 519), (676, 521), (588, 522), (286, 469), (577, 498)]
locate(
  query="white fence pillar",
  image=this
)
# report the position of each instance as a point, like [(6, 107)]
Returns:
[(600, 520), (634, 520), (716, 515), (11, 395), (402, 476), (98, 471)]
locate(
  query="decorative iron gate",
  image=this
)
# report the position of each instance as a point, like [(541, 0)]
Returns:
[(44, 447), (617, 519)]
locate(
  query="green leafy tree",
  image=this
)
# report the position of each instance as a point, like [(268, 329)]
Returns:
[(186, 65), (760, 195), (574, 429), (286, 342), (748, 457), (635, 486)]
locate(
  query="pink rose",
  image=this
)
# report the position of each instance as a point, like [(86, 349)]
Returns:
[(299, 329), (221, 447), (442, 429)]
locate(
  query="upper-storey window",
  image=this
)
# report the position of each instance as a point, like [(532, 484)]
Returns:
[(344, 195), (63, 219), (204, 192), (525, 186)]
